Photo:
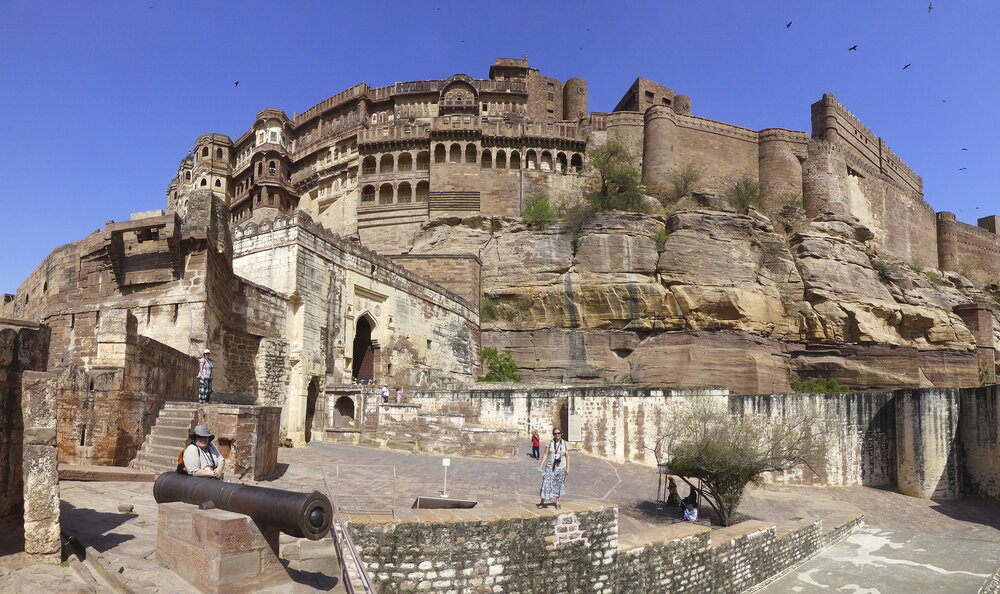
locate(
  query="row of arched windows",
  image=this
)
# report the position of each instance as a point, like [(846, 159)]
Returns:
[(544, 161), (401, 193), (205, 153)]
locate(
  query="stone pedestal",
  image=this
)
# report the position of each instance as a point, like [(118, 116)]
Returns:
[(218, 551), (41, 468)]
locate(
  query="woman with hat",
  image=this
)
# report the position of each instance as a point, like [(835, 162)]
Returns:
[(202, 458)]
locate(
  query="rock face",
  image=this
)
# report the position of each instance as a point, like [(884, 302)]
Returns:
[(713, 298)]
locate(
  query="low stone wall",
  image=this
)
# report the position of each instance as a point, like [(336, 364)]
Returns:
[(577, 548), (407, 427)]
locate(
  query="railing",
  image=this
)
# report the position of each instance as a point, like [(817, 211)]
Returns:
[(343, 543)]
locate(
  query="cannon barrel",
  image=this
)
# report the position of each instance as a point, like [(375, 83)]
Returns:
[(303, 515)]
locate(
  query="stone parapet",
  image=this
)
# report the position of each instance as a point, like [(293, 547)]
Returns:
[(577, 548)]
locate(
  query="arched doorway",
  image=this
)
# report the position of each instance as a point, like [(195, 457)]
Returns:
[(562, 421), (312, 393), (363, 363), (343, 412)]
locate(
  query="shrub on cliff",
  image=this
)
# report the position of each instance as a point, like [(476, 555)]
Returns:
[(683, 180), (744, 193), (621, 187), (538, 209), (500, 366), (819, 385), (726, 452)]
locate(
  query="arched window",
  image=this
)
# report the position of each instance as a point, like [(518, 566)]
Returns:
[(368, 166), (423, 191), (577, 163), (423, 161), (204, 182), (561, 163), (531, 160), (385, 164), (368, 194), (455, 155), (487, 159), (501, 160), (405, 162), (385, 194), (515, 160), (218, 183), (470, 153), (546, 161), (218, 153), (204, 151), (260, 168), (404, 193), (270, 167), (440, 154), (187, 176)]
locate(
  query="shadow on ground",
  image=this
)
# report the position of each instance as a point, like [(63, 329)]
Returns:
[(94, 527)]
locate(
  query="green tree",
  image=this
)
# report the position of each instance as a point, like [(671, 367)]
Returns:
[(621, 188), (538, 209), (726, 452), (501, 366)]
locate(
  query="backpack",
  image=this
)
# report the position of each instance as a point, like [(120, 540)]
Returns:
[(181, 468)]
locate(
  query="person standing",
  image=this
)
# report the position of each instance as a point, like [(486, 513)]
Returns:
[(555, 472), (205, 377), (201, 457), (535, 443), (399, 395), (385, 394)]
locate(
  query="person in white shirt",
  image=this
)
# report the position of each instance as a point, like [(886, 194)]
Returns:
[(205, 377), (202, 458)]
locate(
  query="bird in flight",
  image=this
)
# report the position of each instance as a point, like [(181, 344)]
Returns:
[(962, 168), (907, 66), (965, 149), (789, 25), (853, 48), (930, 7), (236, 84)]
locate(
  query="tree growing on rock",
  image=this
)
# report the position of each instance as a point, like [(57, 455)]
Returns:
[(621, 187), (500, 366), (727, 452)]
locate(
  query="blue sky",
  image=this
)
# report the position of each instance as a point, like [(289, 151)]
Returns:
[(103, 99)]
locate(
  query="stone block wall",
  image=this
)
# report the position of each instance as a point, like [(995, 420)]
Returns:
[(247, 437), (457, 273), (928, 451), (578, 548), (406, 427), (23, 348), (217, 551)]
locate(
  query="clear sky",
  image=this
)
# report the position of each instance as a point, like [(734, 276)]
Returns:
[(103, 99)]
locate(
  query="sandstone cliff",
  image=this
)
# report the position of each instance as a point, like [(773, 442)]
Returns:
[(727, 300)]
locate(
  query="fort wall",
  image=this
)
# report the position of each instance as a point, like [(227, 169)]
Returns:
[(973, 251), (578, 548)]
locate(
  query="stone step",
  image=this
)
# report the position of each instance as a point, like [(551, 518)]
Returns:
[(164, 449), (180, 404), (174, 421), (181, 433), (156, 461)]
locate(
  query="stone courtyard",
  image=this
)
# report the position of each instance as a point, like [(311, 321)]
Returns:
[(940, 546)]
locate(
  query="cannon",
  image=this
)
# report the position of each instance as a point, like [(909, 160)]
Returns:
[(303, 515)]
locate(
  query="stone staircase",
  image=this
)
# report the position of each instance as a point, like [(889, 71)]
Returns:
[(167, 438)]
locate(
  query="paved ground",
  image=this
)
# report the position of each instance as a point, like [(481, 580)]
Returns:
[(909, 544)]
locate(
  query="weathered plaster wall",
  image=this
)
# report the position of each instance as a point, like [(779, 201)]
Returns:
[(928, 450), (979, 431)]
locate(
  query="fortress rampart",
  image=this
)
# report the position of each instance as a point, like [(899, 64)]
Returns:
[(380, 162)]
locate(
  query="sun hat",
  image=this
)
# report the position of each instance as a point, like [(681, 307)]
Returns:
[(202, 431), (207, 352)]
